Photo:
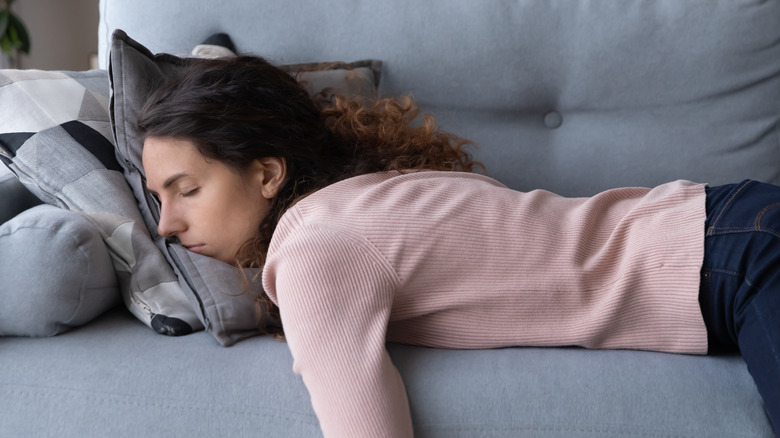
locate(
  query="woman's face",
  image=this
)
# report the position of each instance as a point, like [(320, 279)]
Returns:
[(211, 208)]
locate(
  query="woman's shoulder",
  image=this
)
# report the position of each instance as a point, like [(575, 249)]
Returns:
[(354, 197), (398, 182)]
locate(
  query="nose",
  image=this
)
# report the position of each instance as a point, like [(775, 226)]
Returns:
[(170, 224)]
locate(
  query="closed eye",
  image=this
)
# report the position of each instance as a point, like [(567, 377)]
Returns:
[(191, 192)]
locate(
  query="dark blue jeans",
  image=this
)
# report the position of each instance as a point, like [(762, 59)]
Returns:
[(740, 281)]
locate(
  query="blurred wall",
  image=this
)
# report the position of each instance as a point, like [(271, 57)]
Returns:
[(63, 33)]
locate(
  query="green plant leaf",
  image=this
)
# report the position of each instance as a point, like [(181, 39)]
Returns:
[(13, 36), (23, 38), (4, 22), (5, 44)]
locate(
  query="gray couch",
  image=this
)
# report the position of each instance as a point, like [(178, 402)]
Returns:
[(569, 96)]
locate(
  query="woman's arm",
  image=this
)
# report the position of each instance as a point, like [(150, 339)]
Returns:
[(335, 294)]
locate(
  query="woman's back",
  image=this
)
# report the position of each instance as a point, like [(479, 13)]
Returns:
[(471, 264)]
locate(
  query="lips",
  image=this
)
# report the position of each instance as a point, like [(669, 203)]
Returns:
[(195, 248)]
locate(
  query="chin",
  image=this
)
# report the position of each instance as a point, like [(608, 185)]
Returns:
[(221, 259), (228, 260)]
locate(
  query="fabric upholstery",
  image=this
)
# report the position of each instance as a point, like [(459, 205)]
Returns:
[(574, 98), (116, 378), (55, 273), (16, 198)]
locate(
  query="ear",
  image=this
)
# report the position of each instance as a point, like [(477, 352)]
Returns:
[(271, 173)]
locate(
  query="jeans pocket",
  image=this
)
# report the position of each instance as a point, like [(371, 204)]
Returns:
[(738, 208), (719, 202), (768, 219)]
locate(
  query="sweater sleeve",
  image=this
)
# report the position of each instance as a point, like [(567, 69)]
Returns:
[(335, 295)]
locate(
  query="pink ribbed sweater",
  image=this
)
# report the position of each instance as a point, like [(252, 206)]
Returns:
[(456, 260)]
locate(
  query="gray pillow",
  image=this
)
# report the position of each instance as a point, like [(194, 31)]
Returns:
[(55, 135), (55, 274), (215, 289)]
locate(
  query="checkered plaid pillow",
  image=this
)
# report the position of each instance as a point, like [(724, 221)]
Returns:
[(55, 135)]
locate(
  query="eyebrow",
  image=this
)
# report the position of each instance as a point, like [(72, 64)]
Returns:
[(169, 182)]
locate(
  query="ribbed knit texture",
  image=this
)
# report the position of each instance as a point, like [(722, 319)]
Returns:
[(456, 260)]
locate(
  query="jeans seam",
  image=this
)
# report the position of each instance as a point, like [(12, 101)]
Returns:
[(724, 271), (761, 214), (712, 231), (714, 223), (733, 229)]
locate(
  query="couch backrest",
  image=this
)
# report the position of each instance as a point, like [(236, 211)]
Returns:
[(569, 96)]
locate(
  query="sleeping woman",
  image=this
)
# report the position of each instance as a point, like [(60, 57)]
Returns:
[(370, 226)]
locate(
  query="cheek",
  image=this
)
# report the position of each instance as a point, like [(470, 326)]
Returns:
[(248, 212), (257, 213)]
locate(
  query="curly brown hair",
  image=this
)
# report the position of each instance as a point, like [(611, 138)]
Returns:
[(241, 109)]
